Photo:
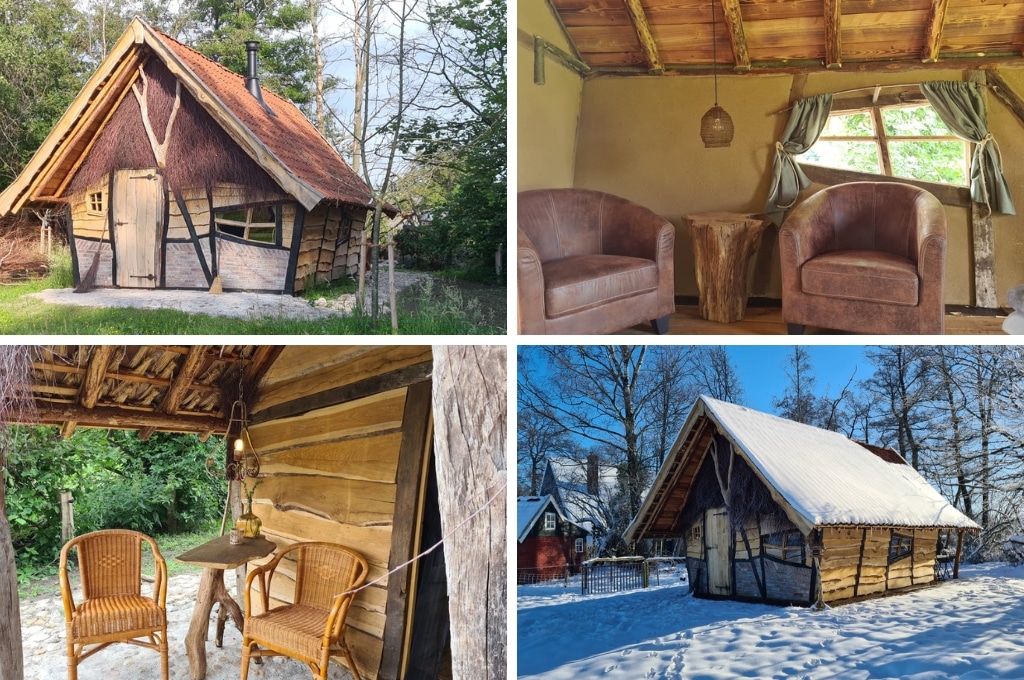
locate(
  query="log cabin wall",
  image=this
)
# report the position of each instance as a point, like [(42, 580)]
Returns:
[(329, 248), (638, 137), (855, 562), (343, 443)]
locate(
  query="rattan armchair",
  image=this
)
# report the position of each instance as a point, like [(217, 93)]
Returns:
[(312, 629), (113, 608)]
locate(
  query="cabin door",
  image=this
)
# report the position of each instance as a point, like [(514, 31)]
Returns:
[(716, 538), (138, 205)]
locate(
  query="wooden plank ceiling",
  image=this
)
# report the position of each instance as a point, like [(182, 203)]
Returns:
[(660, 36), (145, 388)]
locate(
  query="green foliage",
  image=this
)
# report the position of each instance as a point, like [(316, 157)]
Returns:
[(42, 67), (61, 271), (286, 59), (117, 481), (469, 223)]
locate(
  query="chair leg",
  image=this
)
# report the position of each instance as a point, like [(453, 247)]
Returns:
[(245, 659), (72, 661), (164, 669), (351, 664), (795, 328), (660, 325)]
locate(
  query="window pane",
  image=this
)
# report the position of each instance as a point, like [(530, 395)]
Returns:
[(861, 156), (930, 161), (857, 124), (264, 215), (261, 234), (233, 215), (914, 121)]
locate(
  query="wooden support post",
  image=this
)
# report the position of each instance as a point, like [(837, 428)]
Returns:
[(959, 549), (391, 284), (67, 517), (362, 266), (12, 663), (983, 242), (470, 416)]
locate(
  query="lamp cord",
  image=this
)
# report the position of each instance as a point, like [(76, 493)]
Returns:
[(714, 50)]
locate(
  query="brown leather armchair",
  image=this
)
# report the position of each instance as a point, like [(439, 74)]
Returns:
[(867, 257), (590, 262)]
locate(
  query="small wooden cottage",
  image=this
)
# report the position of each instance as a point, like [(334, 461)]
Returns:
[(549, 543), (170, 171), (583, 490), (356, 446), (777, 511)]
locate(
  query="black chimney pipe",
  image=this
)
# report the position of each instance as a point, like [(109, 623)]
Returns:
[(252, 78)]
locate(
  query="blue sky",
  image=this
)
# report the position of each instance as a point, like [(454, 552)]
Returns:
[(762, 369)]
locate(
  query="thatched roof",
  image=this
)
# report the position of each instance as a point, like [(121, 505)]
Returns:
[(664, 36), (818, 477), (285, 145)]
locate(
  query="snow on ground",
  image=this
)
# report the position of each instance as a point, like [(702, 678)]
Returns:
[(972, 628)]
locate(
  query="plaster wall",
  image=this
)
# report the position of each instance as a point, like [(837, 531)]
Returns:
[(638, 137), (546, 114)]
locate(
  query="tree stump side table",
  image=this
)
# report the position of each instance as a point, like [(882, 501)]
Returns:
[(722, 245)]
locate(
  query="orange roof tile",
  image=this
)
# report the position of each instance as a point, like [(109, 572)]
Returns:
[(288, 135)]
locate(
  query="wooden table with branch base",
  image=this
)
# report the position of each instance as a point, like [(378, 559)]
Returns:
[(722, 245), (214, 557)]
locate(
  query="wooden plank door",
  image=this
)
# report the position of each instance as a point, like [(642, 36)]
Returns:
[(138, 205), (717, 537)]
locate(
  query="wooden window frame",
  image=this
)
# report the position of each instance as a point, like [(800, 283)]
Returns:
[(550, 521), (874, 106), (580, 546), (901, 546), (248, 225), (94, 203), (789, 545)]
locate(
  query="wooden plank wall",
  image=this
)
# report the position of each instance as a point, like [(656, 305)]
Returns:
[(855, 562), (330, 245), (329, 469)]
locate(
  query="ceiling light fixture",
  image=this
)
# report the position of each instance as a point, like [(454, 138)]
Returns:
[(716, 127)]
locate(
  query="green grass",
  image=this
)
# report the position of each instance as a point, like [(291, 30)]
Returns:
[(42, 581), (20, 315)]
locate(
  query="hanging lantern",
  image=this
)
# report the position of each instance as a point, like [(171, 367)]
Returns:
[(716, 127)]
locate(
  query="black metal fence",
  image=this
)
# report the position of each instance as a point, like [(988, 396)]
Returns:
[(613, 575)]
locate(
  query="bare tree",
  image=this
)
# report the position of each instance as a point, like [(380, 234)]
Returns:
[(537, 440), (715, 374)]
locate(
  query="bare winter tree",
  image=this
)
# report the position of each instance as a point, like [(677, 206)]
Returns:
[(799, 402), (537, 439), (903, 389), (715, 374)]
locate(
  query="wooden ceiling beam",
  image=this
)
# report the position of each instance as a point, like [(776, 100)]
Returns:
[(933, 31), (191, 366), (643, 32), (125, 419), (123, 377), (95, 373), (833, 34), (737, 36)]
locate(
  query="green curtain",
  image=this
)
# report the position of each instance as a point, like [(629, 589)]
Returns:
[(961, 106), (806, 121)]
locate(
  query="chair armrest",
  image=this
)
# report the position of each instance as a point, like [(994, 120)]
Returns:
[(530, 286), (930, 230), (66, 594), (261, 573), (807, 232)]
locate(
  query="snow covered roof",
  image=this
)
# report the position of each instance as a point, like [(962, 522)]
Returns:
[(819, 477), (583, 508), (529, 509)]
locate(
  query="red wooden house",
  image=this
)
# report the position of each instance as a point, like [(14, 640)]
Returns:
[(548, 542)]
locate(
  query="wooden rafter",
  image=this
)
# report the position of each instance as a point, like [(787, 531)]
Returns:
[(833, 34), (95, 373), (933, 31), (124, 418), (737, 36), (191, 366), (643, 32), (139, 377)]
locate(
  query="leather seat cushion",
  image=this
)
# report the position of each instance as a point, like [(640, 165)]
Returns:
[(572, 284), (861, 275)]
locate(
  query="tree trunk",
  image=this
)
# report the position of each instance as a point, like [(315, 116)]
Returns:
[(469, 439), (11, 661)]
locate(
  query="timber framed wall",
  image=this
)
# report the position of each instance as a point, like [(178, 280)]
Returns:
[(344, 439)]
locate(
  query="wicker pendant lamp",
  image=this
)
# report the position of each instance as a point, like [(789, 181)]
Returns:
[(716, 126)]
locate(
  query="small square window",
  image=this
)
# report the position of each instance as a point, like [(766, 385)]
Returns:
[(95, 202), (549, 521), (900, 546), (787, 546)]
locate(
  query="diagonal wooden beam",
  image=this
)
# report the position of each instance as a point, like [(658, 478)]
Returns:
[(933, 32), (643, 32), (833, 33), (737, 36), (193, 363), (94, 375)]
